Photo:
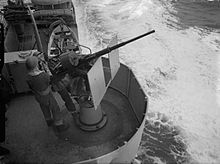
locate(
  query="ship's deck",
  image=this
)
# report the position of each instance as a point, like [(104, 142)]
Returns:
[(31, 141)]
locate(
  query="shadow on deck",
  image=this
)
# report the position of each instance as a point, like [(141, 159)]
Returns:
[(31, 141)]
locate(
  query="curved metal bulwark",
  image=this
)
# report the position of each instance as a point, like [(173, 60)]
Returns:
[(31, 140), (126, 84), (109, 133)]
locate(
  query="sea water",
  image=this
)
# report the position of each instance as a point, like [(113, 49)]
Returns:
[(178, 67)]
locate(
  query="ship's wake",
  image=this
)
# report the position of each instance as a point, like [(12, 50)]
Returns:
[(177, 67), (162, 142)]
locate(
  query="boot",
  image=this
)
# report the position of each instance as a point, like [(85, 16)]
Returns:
[(49, 122), (62, 127)]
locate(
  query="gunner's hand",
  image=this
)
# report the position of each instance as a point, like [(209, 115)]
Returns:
[(74, 59)]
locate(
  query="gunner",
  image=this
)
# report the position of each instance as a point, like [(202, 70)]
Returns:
[(39, 83)]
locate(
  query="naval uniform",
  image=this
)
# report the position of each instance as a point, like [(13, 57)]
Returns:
[(40, 85)]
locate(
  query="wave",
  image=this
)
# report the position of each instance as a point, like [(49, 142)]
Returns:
[(163, 142), (176, 66), (200, 13)]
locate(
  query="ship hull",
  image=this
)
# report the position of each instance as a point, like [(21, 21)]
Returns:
[(125, 105), (28, 137)]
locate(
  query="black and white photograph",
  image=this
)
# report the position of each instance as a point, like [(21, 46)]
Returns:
[(109, 81)]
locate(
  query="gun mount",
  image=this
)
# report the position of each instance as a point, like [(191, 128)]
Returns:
[(112, 102), (88, 68), (78, 61), (75, 62)]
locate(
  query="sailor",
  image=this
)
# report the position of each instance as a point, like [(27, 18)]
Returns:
[(60, 87), (39, 83)]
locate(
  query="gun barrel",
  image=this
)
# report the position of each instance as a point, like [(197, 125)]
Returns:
[(109, 49)]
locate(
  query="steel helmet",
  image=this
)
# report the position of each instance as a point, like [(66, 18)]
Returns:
[(31, 63)]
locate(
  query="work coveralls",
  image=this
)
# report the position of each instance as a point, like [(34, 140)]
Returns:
[(40, 85), (60, 87)]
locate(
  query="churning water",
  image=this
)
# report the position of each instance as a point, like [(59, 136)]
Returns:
[(178, 67)]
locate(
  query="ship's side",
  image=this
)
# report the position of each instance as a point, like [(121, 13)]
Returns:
[(27, 134), (124, 103)]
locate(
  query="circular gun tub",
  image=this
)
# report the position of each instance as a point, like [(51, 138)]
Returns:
[(31, 141)]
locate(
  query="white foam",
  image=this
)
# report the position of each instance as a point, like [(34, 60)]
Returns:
[(177, 69)]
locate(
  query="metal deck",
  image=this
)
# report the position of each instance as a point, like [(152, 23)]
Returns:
[(31, 141)]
